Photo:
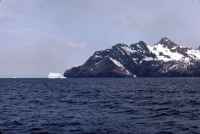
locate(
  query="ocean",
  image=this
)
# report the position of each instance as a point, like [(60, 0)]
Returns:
[(100, 106)]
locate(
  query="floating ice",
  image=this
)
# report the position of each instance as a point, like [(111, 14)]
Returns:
[(55, 76)]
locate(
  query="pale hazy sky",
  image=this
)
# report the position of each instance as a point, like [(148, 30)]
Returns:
[(42, 36)]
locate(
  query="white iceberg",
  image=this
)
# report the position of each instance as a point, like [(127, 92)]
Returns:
[(55, 76)]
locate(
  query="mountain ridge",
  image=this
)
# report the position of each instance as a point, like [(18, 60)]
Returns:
[(163, 59)]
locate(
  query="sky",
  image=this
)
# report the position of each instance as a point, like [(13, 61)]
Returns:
[(42, 36)]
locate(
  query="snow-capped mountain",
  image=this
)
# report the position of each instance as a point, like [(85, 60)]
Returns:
[(165, 58)]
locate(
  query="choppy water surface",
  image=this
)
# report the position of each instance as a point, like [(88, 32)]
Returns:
[(100, 106)]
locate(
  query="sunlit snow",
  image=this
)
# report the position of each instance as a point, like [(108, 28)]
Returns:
[(194, 54), (164, 53)]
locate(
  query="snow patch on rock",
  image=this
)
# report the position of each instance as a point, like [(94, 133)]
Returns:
[(164, 53), (116, 62), (148, 59), (194, 54), (128, 50)]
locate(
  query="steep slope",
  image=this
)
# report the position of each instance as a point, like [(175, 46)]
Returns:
[(163, 59)]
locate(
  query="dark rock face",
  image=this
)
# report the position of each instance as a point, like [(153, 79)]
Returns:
[(167, 43), (164, 59), (99, 68)]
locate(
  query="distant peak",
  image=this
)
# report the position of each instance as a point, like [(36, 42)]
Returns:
[(165, 38), (167, 42), (120, 45), (142, 43)]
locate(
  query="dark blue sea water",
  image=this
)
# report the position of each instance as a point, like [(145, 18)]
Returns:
[(100, 106)]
